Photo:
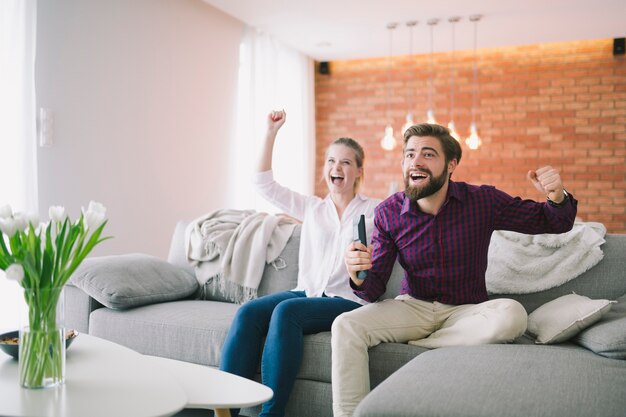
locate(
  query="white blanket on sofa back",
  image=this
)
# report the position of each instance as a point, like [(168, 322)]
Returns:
[(520, 263), (234, 246)]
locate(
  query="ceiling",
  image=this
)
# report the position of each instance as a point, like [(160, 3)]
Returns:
[(328, 30)]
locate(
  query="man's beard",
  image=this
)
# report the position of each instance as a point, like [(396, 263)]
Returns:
[(415, 193)]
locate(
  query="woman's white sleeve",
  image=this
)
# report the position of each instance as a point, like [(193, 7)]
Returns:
[(287, 200)]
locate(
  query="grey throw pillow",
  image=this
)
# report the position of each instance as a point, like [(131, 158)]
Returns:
[(608, 336), (132, 280)]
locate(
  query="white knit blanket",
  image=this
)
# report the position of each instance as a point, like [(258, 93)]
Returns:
[(520, 263), (234, 246)]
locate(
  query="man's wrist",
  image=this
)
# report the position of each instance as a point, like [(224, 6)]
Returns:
[(562, 202)]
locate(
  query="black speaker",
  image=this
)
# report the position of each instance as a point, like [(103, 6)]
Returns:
[(324, 68), (618, 46)]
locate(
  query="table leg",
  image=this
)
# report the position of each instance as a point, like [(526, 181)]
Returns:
[(222, 412)]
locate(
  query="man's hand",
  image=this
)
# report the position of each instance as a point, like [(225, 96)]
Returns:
[(548, 181), (275, 120), (358, 257)]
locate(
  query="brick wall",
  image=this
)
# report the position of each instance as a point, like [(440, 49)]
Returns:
[(560, 104)]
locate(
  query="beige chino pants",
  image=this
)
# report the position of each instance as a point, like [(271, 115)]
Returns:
[(422, 323)]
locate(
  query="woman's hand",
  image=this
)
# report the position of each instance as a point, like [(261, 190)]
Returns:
[(357, 257), (275, 120)]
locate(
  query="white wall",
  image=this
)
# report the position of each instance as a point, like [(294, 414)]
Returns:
[(143, 95)]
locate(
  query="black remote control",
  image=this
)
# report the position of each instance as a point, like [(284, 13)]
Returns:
[(359, 235)]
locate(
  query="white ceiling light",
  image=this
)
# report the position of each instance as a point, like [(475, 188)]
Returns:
[(451, 126), (388, 142), (430, 114), (474, 141), (409, 116)]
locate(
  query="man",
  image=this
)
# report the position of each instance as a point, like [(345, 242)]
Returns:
[(439, 230)]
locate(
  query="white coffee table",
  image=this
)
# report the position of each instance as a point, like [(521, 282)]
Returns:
[(102, 379), (214, 389), (105, 379)]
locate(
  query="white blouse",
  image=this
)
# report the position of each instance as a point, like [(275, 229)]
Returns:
[(324, 236)]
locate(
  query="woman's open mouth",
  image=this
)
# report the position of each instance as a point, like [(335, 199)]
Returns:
[(336, 179)]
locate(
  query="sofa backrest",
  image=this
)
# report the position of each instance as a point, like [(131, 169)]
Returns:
[(605, 280), (177, 255)]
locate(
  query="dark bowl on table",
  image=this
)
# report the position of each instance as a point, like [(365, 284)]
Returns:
[(9, 342)]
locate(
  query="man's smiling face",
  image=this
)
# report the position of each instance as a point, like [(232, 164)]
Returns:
[(424, 167)]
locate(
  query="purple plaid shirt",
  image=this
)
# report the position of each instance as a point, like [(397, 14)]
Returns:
[(445, 256)]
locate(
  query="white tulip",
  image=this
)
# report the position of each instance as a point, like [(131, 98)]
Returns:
[(33, 218), (5, 211), (57, 214), (15, 272), (40, 228), (8, 226), (94, 216), (21, 221)]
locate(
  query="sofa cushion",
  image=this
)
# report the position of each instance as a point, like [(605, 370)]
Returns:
[(502, 381), (132, 280), (186, 330), (384, 359), (561, 319), (608, 336)]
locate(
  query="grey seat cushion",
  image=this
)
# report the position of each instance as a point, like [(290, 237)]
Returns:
[(502, 381), (188, 330), (385, 358), (195, 330)]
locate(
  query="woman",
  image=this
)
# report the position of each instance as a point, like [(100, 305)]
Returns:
[(323, 291)]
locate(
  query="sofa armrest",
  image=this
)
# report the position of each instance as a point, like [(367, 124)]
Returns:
[(78, 307), (177, 254)]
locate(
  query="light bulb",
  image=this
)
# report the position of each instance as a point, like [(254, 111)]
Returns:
[(473, 141), (388, 142), (453, 131), (409, 122), (430, 117)]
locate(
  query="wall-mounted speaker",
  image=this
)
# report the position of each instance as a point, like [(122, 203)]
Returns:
[(618, 46), (324, 68)]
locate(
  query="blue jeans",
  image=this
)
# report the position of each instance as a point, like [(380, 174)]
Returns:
[(284, 318)]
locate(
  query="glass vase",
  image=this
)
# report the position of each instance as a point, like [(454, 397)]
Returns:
[(42, 339)]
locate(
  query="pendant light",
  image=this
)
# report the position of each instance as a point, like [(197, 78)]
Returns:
[(451, 126), (409, 116), (430, 114), (388, 141), (474, 141)]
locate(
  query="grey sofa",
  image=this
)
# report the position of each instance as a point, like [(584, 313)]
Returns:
[(518, 379)]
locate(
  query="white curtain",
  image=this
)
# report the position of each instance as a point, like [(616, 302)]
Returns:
[(272, 76), (18, 164)]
